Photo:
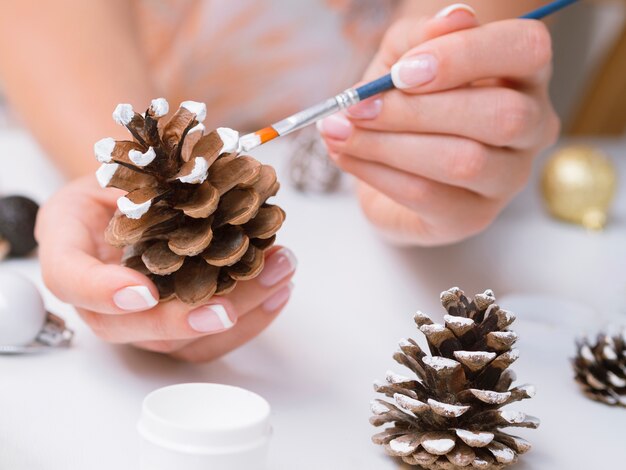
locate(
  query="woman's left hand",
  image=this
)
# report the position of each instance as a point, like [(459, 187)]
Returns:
[(438, 159)]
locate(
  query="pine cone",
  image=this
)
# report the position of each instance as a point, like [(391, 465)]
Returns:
[(195, 219), (450, 415), (601, 368)]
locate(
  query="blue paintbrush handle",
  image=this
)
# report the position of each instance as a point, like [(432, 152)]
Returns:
[(548, 9), (386, 83)]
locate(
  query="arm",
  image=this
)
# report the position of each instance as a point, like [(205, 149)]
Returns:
[(64, 66)]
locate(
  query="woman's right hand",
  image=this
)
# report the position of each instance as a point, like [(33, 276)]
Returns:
[(119, 304)]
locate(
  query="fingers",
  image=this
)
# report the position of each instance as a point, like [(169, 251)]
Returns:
[(436, 203), (174, 321), (454, 161), (408, 33), (499, 116), (250, 326), (70, 233), (518, 50)]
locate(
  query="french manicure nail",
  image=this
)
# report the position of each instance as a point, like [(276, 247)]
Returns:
[(133, 298), (278, 266), (278, 299), (210, 319), (368, 109), (414, 71), (335, 127), (449, 10)]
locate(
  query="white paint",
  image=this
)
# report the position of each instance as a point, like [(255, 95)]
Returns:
[(123, 114), (506, 337), (587, 354), (615, 380), (491, 397), (474, 439), (394, 378), (378, 408), (530, 390), (454, 8), (422, 318), (145, 294), (160, 107), (458, 321), (404, 445), (501, 452), (195, 107), (248, 142), (223, 317), (198, 174), (475, 357), (446, 409), (197, 128), (230, 139), (432, 329), (438, 446), (609, 352), (142, 159), (410, 404), (132, 210), (513, 417), (440, 363), (105, 173), (103, 149)]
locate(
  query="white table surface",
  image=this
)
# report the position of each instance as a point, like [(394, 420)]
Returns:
[(354, 299)]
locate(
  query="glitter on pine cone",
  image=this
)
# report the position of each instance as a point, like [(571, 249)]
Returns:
[(600, 368), (449, 416), (195, 218)]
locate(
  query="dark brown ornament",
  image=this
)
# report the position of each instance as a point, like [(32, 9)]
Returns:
[(195, 218), (600, 368), (449, 414), (17, 226)]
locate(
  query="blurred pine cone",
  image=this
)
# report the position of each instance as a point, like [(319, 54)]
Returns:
[(196, 218), (450, 415), (600, 368)]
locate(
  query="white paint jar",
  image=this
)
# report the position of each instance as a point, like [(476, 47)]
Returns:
[(202, 426)]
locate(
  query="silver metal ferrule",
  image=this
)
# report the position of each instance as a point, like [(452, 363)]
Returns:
[(315, 113)]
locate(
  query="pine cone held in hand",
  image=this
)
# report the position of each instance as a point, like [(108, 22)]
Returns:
[(601, 368), (195, 218), (449, 416)]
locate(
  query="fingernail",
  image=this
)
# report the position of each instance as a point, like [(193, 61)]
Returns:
[(210, 319), (336, 127), (414, 71), (278, 266), (134, 298), (278, 299), (368, 109), (448, 11)]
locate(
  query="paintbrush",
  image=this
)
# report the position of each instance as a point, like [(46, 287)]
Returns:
[(352, 96)]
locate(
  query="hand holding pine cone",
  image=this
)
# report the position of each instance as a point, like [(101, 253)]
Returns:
[(195, 218), (450, 415)]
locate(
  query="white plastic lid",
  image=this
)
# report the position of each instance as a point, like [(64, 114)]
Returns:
[(205, 418)]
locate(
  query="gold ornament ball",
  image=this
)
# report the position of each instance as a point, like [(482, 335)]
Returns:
[(578, 185)]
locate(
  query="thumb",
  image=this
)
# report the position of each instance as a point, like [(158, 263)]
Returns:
[(407, 33)]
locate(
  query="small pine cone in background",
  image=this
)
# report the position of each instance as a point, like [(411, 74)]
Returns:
[(450, 414), (195, 218), (600, 368)]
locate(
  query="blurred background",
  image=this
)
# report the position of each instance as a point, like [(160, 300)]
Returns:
[(589, 85)]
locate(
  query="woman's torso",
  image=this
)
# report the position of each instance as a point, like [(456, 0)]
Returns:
[(255, 61)]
